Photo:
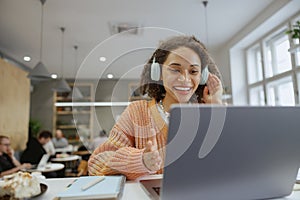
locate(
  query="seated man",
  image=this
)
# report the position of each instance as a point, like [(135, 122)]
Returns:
[(8, 163), (59, 140), (35, 150)]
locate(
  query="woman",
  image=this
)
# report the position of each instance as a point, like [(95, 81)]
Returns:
[(172, 75)]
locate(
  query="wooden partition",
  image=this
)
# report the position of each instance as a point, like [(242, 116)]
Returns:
[(14, 104)]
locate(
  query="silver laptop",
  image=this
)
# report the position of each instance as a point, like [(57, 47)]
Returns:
[(42, 164), (230, 153)]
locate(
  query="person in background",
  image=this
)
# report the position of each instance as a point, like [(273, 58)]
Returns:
[(35, 150), (59, 140), (8, 163), (101, 138), (172, 75), (49, 147)]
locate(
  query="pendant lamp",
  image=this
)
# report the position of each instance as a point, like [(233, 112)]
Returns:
[(62, 85), (75, 93), (206, 22), (39, 72)]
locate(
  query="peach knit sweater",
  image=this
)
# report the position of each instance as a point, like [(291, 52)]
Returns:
[(123, 151)]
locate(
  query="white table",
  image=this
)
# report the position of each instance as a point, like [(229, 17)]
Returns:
[(50, 167), (66, 159), (68, 148), (132, 190)]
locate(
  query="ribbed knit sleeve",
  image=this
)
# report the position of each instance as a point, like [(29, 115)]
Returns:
[(122, 153)]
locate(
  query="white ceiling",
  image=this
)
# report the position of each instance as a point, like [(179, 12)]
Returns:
[(87, 25)]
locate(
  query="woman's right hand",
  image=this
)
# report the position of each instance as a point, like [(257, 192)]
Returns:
[(151, 156)]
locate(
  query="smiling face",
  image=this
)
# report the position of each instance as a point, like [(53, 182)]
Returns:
[(180, 75)]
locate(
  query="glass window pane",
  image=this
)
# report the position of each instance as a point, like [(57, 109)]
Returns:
[(269, 68), (298, 79), (257, 96), (278, 56), (254, 65), (281, 92), (297, 57), (296, 42), (283, 55)]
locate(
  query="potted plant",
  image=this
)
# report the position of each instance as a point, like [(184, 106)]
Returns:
[(295, 32), (34, 127)]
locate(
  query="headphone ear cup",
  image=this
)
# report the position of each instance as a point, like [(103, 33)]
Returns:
[(155, 71), (204, 76)]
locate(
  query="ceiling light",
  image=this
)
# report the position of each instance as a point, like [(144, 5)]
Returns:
[(206, 22), (109, 76), (75, 94), (39, 72), (62, 85), (26, 58), (102, 59), (54, 76)]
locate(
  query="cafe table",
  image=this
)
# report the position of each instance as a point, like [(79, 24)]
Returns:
[(132, 190)]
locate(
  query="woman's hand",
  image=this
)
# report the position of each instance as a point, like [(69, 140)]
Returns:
[(151, 156), (212, 93)]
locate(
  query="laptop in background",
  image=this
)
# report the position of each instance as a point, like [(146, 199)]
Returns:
[(231, 153), (42, 164)]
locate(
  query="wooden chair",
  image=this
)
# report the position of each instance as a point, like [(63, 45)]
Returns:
[(82, 168)]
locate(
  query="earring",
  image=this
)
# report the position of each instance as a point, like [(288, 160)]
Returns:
[(155, 70)]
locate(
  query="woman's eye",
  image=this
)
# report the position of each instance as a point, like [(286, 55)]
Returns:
[(174, 70), (194, 72)]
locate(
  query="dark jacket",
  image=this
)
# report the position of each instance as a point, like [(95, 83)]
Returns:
[(6, 163), (33, 152)]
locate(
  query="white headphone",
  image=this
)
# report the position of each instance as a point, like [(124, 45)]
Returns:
[(155, 73)]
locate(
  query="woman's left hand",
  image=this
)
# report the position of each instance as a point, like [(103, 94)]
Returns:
[(212, 93)]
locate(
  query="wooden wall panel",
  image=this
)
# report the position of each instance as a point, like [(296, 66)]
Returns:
[(14, 104)]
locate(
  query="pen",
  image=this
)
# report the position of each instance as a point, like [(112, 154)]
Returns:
[(72, 183), (94, 182)]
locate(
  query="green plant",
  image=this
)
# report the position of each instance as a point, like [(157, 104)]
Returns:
[(34, 127), (295, 31)]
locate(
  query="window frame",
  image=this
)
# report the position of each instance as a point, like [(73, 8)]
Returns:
[(262, 43)]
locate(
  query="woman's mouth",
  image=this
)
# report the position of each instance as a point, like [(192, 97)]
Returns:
[(183, 88)]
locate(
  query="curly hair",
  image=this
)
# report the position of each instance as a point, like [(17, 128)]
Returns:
[(155, 89)]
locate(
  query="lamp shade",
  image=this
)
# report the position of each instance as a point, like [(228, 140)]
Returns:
[(75, 94), (39, 72), (62, 86)]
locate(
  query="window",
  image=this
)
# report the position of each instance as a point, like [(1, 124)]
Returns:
[(297, 59), (281, 92), (271, 69), (298, 92), (254, 63), (257, 97), (278, 56)]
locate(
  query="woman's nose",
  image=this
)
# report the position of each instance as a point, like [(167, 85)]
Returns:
[(185, 76)]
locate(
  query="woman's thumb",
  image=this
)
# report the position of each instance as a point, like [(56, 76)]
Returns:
[(148, 146)]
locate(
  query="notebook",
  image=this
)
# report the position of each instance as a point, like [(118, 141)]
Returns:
[(230, 153), (111, 187)]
